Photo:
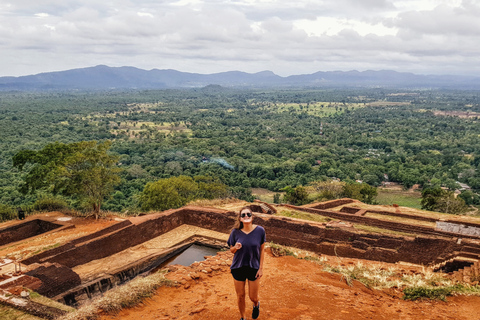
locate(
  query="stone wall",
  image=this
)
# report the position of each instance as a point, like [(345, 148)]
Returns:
[(389, 225), (331, 203), (55, 279), (348, 243), (469, 274), (136, 231), (428, 247), (310, 236), (26, 230), (41, 257), (458, 228)]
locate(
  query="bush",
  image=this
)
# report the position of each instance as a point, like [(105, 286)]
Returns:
[(276, 198), (6, 212), (297, 196), (169, 193), (242, 193), (360, 191), (429, 293), (50, 204), (328, 190), (439, 200)]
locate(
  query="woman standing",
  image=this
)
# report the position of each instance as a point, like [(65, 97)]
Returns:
[(247, 242)]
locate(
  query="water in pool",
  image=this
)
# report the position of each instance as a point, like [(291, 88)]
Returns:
[(192, 254)]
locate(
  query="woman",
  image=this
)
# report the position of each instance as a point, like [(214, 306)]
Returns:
[(247, 242)]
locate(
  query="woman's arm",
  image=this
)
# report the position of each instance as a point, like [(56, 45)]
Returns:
[(236, 247), (262, 257)]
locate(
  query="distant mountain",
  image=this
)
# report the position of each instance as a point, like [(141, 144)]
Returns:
[(104, 78)]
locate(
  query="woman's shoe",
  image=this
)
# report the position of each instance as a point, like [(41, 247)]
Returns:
[(256, 311)]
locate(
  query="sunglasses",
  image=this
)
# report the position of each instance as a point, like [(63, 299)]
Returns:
[(248, 214)]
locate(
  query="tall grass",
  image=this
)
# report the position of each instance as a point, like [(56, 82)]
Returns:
[(128, 295)]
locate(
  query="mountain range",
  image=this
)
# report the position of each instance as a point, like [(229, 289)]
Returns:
[(107, 78)]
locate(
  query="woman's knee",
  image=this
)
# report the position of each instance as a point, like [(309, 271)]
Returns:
[(241, 295)]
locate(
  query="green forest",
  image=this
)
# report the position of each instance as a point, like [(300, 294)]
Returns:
[(243, 139)]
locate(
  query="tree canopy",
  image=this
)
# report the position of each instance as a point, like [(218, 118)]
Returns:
[(176, 192), (440, 200), (85, 170), (250, 138)]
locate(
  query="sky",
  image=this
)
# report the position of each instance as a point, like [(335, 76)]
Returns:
[(288, 37)]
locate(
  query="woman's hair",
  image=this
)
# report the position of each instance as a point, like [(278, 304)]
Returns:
[(238, 223)]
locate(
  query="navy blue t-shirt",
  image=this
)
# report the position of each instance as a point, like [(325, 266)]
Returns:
[(249, 254)]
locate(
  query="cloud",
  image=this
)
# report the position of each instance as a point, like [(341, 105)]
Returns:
[(287, 37), (443, 20)]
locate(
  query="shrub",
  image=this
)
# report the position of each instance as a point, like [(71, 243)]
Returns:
[(6, 212), (278, 250), (169, 193), (415, 293), (50, 203), (297, 196)]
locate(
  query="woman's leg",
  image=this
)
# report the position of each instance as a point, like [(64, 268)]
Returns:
[(240, 289), (253, 287)]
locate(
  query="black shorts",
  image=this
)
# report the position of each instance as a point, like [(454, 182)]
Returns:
[(244, 273)]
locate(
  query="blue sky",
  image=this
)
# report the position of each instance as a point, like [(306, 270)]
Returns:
[(284, 36)]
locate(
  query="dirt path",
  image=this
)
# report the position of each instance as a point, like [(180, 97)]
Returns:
[(294, 289)]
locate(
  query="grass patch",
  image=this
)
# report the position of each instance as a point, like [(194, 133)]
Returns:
[(402, 198), (371, 229), (371, 276), (302, 215), (265, 195), (8, 313), (427, 293), (385, 217), (278, 250), (35, 297), (126, 296), (53, 246), (320, 109)]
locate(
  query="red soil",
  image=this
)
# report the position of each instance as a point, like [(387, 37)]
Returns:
[(291, 289)]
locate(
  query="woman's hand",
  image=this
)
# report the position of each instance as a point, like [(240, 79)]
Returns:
[(259, 273), (236, 247)]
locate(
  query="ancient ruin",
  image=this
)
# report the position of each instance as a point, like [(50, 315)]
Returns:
[(86, 267)]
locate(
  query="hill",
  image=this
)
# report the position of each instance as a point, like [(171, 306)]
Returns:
[(107, 78)]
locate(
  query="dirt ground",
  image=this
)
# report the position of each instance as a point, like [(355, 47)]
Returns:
[(292, 288)]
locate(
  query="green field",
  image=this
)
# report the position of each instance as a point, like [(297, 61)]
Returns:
[(402, 198)]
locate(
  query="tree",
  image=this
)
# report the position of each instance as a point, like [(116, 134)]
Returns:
[(469, 197), (450, 204), (210, 188), (328, 190), (276, 198), (368, 193), (430, 196), (164, 194), (82, 169), (296, 196), (440, 200), (360, 191)]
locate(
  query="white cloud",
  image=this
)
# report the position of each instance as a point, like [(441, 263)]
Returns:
[(42, 15), (287, 37)]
